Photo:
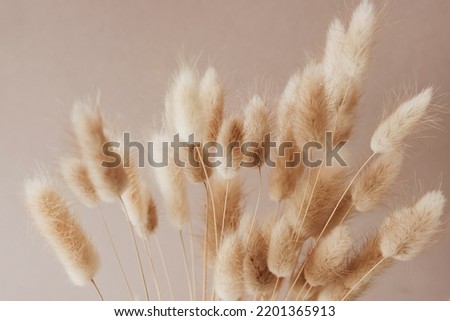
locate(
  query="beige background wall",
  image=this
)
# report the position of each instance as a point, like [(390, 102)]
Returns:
[(52, 52)]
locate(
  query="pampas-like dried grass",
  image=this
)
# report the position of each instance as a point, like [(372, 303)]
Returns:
[(410, 230), (304, 245), (346, 57), (139, 203), (230, 137), (327, 261), (284, 177), (185, 114), (375, 180), (258, 279), (88, 125), (54, 220), (284, 245), (390, 134), (228, 275), (172, 185), (256, 126), (309, 208), (310, 113), (212, 97), (364, 266), (76, 176)]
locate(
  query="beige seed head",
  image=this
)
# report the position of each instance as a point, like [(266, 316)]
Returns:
[(409, 230), (58, 226), (172, 184), (375, 180), (109, 179), (212, 97), (326, 263), (284, 245), (228, 273), (256, 126), (391, 132), (230, 137), (76, 176), (257, 277)]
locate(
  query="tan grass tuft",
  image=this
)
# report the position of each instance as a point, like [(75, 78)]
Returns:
[(212, 97), (326, 263), (391, 132), (109, 181), (228, 275), (309, 209), (375, 180), (172, 185), (230, 137), (185, 114), (409, 230), (256, 126), (284, 245), (76, 176), (139, 202), (54, 220), (257, 277)]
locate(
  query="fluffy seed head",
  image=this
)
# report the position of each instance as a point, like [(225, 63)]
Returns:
[(185, 113), (326, 263), (212, 97), (256, 126), (283, 247), (228, 274), (76, 176), (257, 277), (171, 182), (406, 233), (109, 181), (391, 132), (230, 138), (375, 180), (139, 202), (310, 113), (58, 226)]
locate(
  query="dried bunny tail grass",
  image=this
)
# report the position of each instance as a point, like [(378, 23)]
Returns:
[(139, 202), (230, 137), (346, 57), (310, 113), (375, 180), (228, 211), (258, 279), (185, 113), (334, 46), (285, 175), (212, 97), (76, 176), (54, 220), (109, 181), (391, 132), (409, 230), (310, 208), (284, 245), (363, 267), (228, 274), (326, 263), (171, 182), (256, 127), (360, 38), (287, 171)]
